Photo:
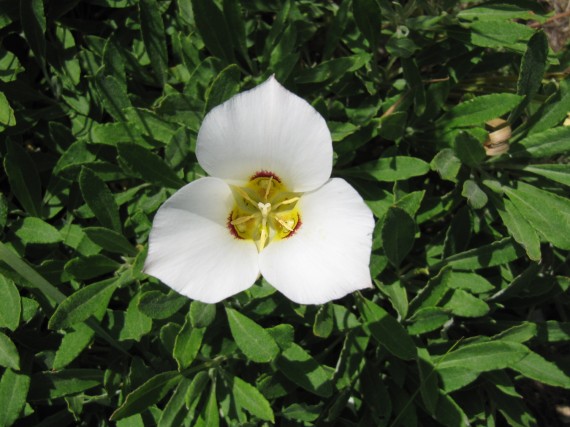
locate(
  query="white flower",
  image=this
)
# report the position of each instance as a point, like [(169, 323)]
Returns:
[(269, 207)]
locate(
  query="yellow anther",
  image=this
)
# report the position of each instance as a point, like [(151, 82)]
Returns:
[(286, 202), (242, 219), (287, 225), (268, 189)]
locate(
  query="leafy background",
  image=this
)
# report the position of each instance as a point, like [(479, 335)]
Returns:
[(100, 104)]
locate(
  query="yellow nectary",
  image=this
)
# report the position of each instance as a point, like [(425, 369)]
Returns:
[(264, 210)]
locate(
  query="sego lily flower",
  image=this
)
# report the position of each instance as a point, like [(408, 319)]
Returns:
[(268, 207)]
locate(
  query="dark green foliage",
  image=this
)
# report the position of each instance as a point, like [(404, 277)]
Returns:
[(100, 105)]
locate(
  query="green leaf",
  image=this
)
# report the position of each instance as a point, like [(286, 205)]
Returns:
[(468, 281), (300, 367), (187, 344), (427, 320), (152, 31), (72, 344), (535, 367), (368, 18), (91, 266), (476, 197), (491, 255), (249, 398), (469, 150), (478, 110), (386, 330), (7, 117), (34, 25), (398, 235), (52, 385), (532, 70), (23, 177), (552, 111), (389, 169), (510, 35), (446, 164), (82, 304), (13, 392), (137, 324), (254, 341), (462, 366), (35, 230), (548, 143), (210, 416), (201, 314), (151, 392), (175, 412), (10, 304), (213, 29), (99, 199), (323, 325), (415, 84), (501, 11), (556, 172), (110, 240), (224, 86), (158, 305), (9, 356), (464, 304), (545, 211), (148, 166), (520, 229)]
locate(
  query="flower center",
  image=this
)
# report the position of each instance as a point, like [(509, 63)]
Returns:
[(264, 210)]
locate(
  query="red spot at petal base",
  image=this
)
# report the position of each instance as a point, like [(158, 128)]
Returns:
[(232, 229), (297, 226), (265, 174)]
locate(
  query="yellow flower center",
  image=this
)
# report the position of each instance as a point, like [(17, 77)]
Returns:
[(264, 210)]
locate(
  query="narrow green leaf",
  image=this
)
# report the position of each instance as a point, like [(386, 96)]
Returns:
[(483, 357), (23, 178), (110, 240), (480, 109), (535, 367), (35, 230), (490, 255), (545, 211), (34, 25), (387, 330), (224, 86), (52, 385), (72, 344), (197, 387), (390, 169), (82, 304), (152, 31), (509, 35), (91, 266), (254, 341), (175, 412), (151, 392), (415, 84), (368, 19), (99, 199), (548, 143), (520, 229), (187, 344), (398, 235), (13, 392), (427, 320), (10, 304), (249, 398), (468, 281), (533, 65), (553, 111), (300, 367), (9, 356), (555, 172), (158, 305), (148, 166), (137, 324), (213, 29)]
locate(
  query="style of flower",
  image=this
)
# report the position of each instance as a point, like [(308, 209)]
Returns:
[(268, 207)]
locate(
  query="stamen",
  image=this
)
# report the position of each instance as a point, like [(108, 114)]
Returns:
[(268, 189), (244, 194), (286, 202), (286, 224), (242, 219)]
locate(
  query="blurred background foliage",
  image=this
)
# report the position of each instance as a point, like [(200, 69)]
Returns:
[(449, 118)]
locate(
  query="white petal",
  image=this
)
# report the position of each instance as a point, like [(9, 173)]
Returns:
[(268, 129), (329, 255), (192, 250)]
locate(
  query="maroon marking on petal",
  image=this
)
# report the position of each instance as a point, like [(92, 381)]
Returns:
[(232, 229), (297, 226), (265, 174)]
